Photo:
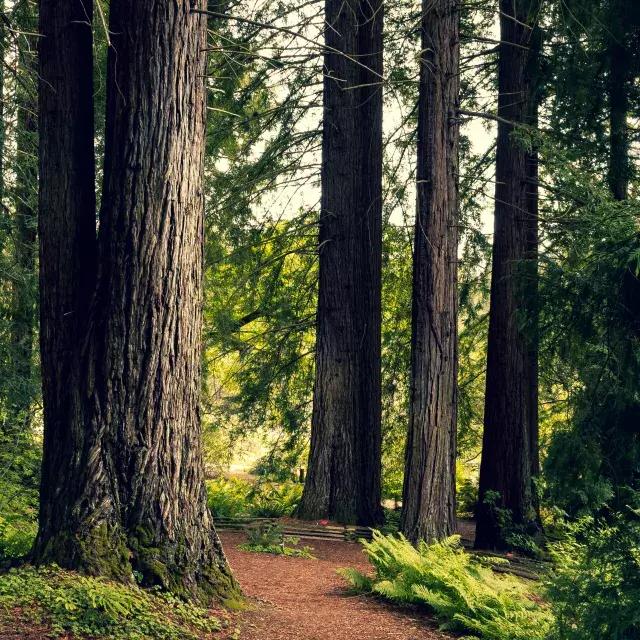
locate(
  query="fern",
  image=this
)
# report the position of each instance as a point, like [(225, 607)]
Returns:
[(462, 592)]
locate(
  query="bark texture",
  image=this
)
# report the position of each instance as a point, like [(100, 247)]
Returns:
[(428, 506), (140, 484), (343, 482), (67, 234), (510, 415), (147, 333)]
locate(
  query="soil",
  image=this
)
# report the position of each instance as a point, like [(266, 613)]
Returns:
[(303, 599)]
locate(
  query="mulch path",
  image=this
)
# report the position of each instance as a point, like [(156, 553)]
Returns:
[(301, 599)]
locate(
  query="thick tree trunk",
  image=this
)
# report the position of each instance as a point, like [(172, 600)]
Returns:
[(507, 456), (343, 482), (140, 501), (149, 300), (67, 234), (428, 508)]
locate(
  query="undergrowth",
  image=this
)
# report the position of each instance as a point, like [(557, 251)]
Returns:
[(233, 498), (459, 589), (595, 587), (68, 603), (268, 538)]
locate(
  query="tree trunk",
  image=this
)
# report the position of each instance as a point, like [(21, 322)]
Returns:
[(67, 234), (23, 289), (618, 86), (428, 509), (149, 300), (140, 495), (507, 455), (343, 481)]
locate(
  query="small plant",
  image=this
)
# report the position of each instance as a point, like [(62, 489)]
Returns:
[(463, 593), (391, 521), (85, 607), (269, 538), (514, 536)]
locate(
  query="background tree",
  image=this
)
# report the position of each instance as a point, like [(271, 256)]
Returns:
[(343, 481), (507, 451), (428, 504)]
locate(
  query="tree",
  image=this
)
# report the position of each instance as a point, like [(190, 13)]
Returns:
[(343, 481), (511, 397), (428, 508), (25, 245), (622, 36), (123, 485)]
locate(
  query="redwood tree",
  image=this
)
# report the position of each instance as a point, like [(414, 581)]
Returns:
[(123, 485), (510, 422), (428, 506), (343, 481)]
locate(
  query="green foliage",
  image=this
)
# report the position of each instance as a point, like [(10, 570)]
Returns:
[(463, 593), (595, 588), (234, 498), (97, 608), (274, 500), (466, 492), (590, 341), (19, 479), (513, 536), (269, 538)]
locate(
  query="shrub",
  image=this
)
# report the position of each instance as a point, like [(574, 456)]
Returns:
[(94, 607), (269, 538), (271, 500), (234, 498), (463, 593), (227, 497), (595, 588)]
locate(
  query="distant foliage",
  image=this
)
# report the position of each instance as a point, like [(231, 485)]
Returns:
[(234, 498), (96, 608), (595, 590), (464, 594)]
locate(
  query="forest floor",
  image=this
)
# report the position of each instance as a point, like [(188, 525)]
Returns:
[(305, 599)]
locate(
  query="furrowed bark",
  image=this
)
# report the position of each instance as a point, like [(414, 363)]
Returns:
[(428, 505), (67, 234), (343, 481), (134, 497), (147, 331), (507, 448)]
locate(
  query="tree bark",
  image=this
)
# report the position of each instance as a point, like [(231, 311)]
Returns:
[(67, 238), (140, 499), (510, 415), (428, 509), (148, 327), (343, 480)]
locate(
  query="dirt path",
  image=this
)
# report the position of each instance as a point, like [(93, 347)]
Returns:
[(299, 599)]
